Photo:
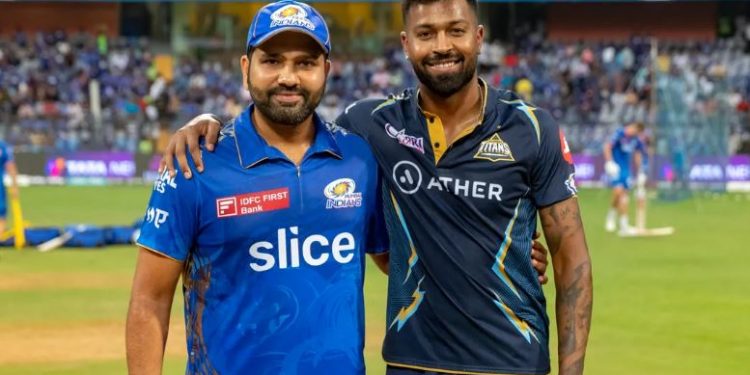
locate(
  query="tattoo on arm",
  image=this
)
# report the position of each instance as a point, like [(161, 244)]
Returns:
[(559, 221), (563, 229), (574, 308)]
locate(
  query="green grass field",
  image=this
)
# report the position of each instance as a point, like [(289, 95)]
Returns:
[(672, 305)]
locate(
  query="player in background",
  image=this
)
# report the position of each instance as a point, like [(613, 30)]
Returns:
[(7, 165), (622, 153)]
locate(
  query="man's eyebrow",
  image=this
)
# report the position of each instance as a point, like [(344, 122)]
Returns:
[(304, 55), (313, 55), (269, 54), (447, 23)]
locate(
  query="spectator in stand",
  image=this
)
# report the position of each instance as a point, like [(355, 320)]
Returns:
[(45, 82)]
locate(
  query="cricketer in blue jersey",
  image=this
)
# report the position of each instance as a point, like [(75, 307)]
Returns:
[(622, 153), (467, 170), (7, 164), (270, 240)]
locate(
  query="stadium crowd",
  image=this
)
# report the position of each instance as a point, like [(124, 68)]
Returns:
[(46, 102)]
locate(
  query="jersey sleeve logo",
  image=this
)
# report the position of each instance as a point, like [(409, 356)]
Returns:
[(341, 194), (494, 149), (565, 148), (252, 203), (156, 216), (410, 141), (570, 184), (163, 182)]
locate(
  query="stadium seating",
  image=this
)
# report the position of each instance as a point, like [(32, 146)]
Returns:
[(589, 88)]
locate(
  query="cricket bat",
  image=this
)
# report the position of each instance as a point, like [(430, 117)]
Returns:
[(55, 242), (648, 232), (19, 233)]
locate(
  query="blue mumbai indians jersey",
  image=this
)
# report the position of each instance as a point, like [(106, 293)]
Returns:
[(463, 295), (623, 148), (6, 156), (274, 254)]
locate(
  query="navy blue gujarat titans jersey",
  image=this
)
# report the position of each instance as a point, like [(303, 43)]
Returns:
[(463, 295), (274, 253)]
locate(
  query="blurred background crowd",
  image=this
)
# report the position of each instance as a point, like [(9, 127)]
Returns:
[(80, 91)]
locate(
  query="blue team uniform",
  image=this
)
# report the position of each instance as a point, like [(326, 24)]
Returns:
[(6, 156), (273, 253), (463, 296), (623, 148)]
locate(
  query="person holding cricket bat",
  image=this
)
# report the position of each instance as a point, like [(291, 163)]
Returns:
[(624, 151)]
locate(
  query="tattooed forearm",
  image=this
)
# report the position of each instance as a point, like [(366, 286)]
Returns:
[(559, 221), (563, 230), (574, 306)]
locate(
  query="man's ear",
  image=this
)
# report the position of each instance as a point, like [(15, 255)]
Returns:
[(404, 43), (480, 37), (245, 65)]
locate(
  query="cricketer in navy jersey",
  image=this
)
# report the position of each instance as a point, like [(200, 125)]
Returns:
[(273, 254), (462, 293)]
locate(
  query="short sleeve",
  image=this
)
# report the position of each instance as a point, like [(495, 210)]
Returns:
[(644, 154), (8, 153), (343, 120), (171, 220), (641, 146), (619, 134), (552, 176), (357, 117), (377, 234)]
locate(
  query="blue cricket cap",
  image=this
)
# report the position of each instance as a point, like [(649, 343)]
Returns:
[(288, 15)]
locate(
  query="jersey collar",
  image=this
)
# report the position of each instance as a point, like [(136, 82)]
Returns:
[(490, 101), (253, 149)]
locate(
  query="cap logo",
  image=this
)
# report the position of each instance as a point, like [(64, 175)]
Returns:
[(291, 15)]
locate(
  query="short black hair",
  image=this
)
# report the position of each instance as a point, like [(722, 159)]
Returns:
[(407, 4), (640, 126)]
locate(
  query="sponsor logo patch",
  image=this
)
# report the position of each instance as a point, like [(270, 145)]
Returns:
[(494, 149), (407, 177), (253, 203), (292, 250), (404, 139), (341, 194), (291, 15)]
